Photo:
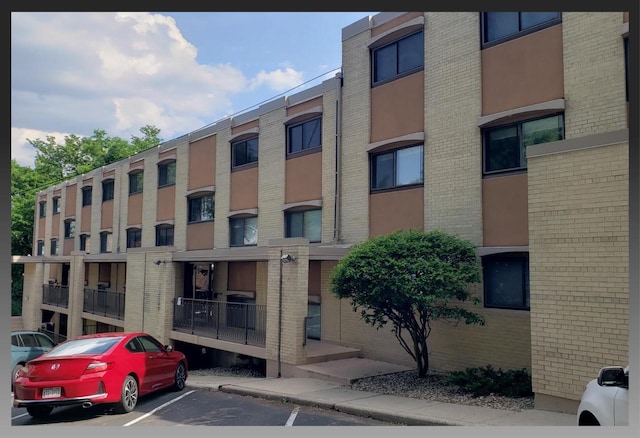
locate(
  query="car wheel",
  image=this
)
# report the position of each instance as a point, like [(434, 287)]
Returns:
[(39, 411), (180, 377), (128, 395), (14, 374)]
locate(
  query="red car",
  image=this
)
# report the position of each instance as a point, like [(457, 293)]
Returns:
[(102, 368)]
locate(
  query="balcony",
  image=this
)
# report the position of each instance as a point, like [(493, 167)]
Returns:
[(104, 303), (55, 295), (234, 322)]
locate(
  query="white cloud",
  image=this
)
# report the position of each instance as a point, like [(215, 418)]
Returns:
[(278, 80), (21, 149)]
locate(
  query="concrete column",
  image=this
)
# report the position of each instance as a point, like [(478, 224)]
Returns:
[(76, 294), (32, 295)]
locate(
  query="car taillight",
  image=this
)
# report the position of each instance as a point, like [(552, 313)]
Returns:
[(96, 367), (23, 371)]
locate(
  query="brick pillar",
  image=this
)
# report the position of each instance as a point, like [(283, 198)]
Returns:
[(32, 295), (76, 294)]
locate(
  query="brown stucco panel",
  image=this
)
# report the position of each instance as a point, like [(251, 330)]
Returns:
[(109, 174), (395, 22), (244, 189), (55, 225), (85, 218), (71, 193), (41, 227), (202, 163), (625, 17), (523, 71), (297, 109), (166, 203), (200, 235), (67, 246), (396, 210), (504, 211), (397, 108), (245, 127), (106, 220), (242, 276), (315, 277), (134, 209), (303, 178), (171, 153)]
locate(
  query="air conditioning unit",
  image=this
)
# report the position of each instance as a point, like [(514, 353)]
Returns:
[(103, 285)]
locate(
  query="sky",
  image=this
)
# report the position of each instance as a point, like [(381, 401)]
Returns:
[(75, 72)]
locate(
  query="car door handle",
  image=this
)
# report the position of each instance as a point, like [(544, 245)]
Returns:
[(151, 357)]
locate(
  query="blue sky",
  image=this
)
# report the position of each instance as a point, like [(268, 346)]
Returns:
[(73, 72)]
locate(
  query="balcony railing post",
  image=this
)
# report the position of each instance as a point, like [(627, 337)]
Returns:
[(193, 315), (246, 324), (218, 319)]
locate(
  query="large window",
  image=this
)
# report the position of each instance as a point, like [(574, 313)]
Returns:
[(106, 242), (164, 235), (244, 152), (54, 247), (201, 208), (134, 238), (397, 168), (56, 206), (107, 190), (306, 224), (305, 135), (40, 248), (166, 174), (505, 146), (506, 280), (43, 208), (86, 196), (399, 58), (69, 229), (135, 182), (244, 231), (502, 26), (84, 242)]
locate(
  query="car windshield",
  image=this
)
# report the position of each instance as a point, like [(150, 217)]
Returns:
[(84, 346)]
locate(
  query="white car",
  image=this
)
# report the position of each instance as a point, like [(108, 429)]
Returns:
[(605, 401)]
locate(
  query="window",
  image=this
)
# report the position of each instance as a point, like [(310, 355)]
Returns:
[(56, 206), (244, 152), (134, 238), (106, 240), (135, 182), (244, 231), (506, 280), (40, 247), (54, 247), (69, 229), (201, 208), (43, 208), (502, 26), (84, 242), (306, 224), (166, 174), (107, 190), (86, 196), (164, 235), (398, 59), (305, 135), (397, 168), (505, 146)]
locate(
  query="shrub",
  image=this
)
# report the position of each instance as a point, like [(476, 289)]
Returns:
[(487, 380)]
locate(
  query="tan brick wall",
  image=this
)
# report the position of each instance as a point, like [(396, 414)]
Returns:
[(182, 183), (594, 78), (262, 282), (150, 200), (223, 188), (356, 98), (579, 246), (453, 146), (328, 164)]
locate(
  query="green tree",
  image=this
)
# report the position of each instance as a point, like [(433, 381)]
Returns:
[(53, 164), (410, 279)]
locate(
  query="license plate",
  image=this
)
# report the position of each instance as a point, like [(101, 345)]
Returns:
[(51, 392)]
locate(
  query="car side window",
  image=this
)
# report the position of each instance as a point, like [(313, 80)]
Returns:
[(44, 341), (29, 340), (15, 340), (134, 346), (150, 345)]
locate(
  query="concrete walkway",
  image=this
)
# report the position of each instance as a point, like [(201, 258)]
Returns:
[(402, 410)]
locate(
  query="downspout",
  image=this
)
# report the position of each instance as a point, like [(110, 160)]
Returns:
[(280, 318), (336, 197)]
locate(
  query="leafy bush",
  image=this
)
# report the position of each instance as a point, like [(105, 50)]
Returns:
[(487, 380)]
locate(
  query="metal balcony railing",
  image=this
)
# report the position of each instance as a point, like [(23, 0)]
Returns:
[(55, 295), (235, 322), (104, 302)]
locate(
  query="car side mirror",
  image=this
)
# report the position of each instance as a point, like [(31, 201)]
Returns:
[(612, 376), (168, 348)]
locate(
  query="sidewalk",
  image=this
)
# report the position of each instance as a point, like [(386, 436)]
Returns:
[(404, 410)]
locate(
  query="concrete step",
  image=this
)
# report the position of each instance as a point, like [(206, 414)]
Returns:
[(347, 371)]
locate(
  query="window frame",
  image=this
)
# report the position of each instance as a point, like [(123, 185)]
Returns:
[(193, 199), (106, 243), (55, 205), (287, 222), (137, 187), (162, 240), (84, 239), (108, 190), (523, 258), (374, 50), (87, 194), (42, 209), (163, 173), (518, 124), (374, 156), (244, 230), (54, 247), (247, 164), (303, 150), (69, 229), (40, 247), (134, 235), (519, 33)]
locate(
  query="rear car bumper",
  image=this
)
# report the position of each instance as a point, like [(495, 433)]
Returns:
[(85, 401)]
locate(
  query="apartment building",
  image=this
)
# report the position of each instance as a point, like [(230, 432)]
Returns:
[(509, 130)]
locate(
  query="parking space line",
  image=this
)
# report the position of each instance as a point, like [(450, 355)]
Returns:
[(148, 414), (18, 416), (292, 417)]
